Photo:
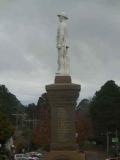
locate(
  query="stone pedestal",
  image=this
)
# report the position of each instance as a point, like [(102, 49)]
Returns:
[(62, 97)]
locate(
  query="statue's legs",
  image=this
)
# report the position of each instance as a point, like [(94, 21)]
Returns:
[(66, 62), (58, 60), (61, 61)]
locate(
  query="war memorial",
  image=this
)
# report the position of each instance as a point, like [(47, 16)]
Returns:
[(62, 96)]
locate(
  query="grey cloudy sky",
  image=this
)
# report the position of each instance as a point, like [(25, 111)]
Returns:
[(28, 54)]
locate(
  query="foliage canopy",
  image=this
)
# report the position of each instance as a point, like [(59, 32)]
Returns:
[(105, 108)]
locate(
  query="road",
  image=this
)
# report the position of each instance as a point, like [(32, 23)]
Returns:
[(94, 156)]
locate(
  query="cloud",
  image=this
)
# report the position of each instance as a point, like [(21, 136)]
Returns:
[(28, 54)]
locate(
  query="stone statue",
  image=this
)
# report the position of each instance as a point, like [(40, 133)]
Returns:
[(62, 46)]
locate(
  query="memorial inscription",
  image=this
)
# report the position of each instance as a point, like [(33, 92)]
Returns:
[(63, 124)]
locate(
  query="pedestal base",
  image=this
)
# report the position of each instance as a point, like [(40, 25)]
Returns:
[(62, 96), (65, 155), (63, 79)]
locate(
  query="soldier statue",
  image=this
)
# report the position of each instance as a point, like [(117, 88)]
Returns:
[(62, 46)]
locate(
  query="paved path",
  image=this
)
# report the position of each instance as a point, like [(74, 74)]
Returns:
[(94, 156)]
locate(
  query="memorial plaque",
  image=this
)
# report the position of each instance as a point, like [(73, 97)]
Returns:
[(63, 125)]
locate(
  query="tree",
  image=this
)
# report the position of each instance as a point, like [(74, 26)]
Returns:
[(9, 104), (84, 107), (83, 127), (30, 110), (23, 139), (42, 130), (105, 108), (6, 129), (83, 121)]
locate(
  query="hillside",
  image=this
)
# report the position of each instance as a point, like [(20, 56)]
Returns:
[(9, 104)]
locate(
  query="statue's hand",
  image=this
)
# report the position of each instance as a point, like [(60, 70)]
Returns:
[(58, 46)]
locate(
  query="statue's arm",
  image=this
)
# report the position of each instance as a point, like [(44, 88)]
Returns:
[(60, 36), (66, 36)]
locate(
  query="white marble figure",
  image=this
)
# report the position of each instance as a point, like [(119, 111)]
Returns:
[(62, 46)]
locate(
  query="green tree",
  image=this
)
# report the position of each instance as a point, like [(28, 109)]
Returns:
[(105, 108), (30, 110), (6, 129), (9, 104)]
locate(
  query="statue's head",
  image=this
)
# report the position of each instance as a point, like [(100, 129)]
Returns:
[(62, 16)]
